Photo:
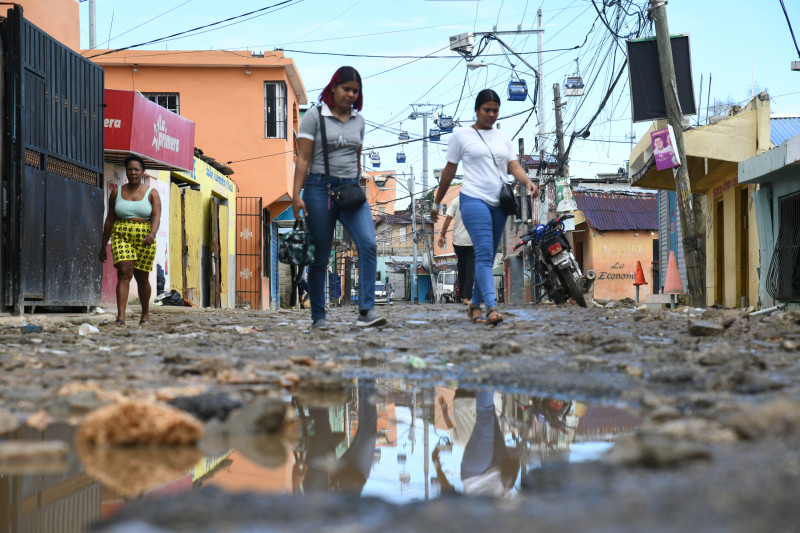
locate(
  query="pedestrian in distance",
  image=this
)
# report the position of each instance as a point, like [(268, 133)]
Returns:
[(302, 291), (488, 158), (462, 245), (341, 100), (134, 215), (389, 290)]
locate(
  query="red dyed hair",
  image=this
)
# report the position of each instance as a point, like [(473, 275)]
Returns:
[(343, 75)]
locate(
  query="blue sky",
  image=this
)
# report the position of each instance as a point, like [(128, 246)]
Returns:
[(736, 42)]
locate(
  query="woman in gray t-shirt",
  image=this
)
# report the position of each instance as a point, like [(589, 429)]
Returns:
[(341, 100)]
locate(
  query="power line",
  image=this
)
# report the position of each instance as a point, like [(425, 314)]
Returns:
[(160, 39), (790, 28), (148, 21)]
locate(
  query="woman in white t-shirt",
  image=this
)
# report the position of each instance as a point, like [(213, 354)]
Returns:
[(488, 158)]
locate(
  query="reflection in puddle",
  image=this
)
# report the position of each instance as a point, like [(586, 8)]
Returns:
[(387, 438)]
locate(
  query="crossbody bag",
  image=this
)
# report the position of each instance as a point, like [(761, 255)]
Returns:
[(508, 202), (347, 196)]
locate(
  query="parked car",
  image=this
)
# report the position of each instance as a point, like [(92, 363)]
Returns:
[(380, 294), (445, 286)]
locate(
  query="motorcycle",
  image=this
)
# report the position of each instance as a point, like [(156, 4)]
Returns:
[(553, 266)]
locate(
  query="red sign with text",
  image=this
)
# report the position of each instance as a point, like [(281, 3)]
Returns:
[(135, 124)]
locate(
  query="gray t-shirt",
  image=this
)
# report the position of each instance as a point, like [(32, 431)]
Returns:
[(344, 140)]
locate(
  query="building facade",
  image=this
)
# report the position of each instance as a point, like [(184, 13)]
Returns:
[(246, 110)]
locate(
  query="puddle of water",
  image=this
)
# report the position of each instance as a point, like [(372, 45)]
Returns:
[(393, 439)]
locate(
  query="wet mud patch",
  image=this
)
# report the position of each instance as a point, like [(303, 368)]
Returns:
[(395, 440)]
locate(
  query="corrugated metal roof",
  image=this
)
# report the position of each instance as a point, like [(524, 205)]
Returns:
[(783, 128), (606, 211)]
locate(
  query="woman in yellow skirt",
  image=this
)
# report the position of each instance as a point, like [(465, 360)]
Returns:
[(134, 214)]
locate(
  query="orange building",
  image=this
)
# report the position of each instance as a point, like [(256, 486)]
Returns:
[(59, 18), (381, 191), (246, 110), (614, 230)]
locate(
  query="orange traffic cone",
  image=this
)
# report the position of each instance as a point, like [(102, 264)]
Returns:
[(673, 284), (639, 275)]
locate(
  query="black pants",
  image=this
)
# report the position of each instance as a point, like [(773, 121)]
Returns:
[(466, 270)]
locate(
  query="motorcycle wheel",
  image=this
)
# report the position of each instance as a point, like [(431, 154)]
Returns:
[(572, 287)]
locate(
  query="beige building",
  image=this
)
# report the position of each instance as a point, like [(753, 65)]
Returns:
[(724, 213)]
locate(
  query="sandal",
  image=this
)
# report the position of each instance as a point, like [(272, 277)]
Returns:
[(476, 318), (119, 322), (144, 321), (493, 317)]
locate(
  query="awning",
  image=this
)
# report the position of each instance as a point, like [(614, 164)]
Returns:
[(135, 125)]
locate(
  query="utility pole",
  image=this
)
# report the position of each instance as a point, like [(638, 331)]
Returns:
[(413, 239), (562, 164), (92, 24), (519, 284), (428, 246), (542, 118), (425, 134), (695, 263)]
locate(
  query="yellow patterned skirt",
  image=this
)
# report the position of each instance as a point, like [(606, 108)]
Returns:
[(126, 244)]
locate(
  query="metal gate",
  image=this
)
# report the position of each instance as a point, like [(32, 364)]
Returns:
[(52, 171), (783, 277), (248, 251)]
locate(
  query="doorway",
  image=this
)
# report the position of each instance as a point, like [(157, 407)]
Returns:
[(719, 238), (744, 248)]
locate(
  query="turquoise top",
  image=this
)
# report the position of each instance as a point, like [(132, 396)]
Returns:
[(133, 209)]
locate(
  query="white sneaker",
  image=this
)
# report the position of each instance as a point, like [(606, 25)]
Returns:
[(320, 323), (370, 319)]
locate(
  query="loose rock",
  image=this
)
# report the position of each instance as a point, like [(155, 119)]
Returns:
[(139, 423), (655, 451), (8, 422), (705, 328)]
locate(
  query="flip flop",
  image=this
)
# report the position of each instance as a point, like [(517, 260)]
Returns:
[(119, 322), (144, 321)]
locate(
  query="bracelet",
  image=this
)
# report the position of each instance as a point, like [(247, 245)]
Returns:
[(436, 207)]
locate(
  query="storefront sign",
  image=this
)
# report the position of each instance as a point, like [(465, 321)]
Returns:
[(135, 125)]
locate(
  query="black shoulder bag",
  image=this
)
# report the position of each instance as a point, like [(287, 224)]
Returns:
[(347, 196), (508, 202)]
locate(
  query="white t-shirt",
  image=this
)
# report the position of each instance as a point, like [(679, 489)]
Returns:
[(483, 177), (460, 233)]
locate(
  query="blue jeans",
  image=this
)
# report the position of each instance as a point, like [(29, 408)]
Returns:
[(321, 218), (485, 225)]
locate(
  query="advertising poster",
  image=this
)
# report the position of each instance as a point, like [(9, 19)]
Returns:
[(664, 151), (564, 198)]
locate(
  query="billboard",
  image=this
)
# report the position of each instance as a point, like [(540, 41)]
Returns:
[(647, 93)]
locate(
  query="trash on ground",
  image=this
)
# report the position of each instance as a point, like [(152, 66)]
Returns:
[(87, 329)]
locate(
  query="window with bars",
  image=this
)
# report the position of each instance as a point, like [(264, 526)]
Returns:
[(171, 101), (275, 110)]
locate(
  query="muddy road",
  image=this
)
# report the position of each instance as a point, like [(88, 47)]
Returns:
[(616, 419)]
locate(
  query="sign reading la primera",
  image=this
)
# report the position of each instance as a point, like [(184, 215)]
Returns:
[(136, 125)]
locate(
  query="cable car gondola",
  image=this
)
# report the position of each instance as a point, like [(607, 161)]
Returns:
[(517, 90), (435, 134), (446, 123), (401, 157), (375, 159), (573, 85), (403, 137)]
